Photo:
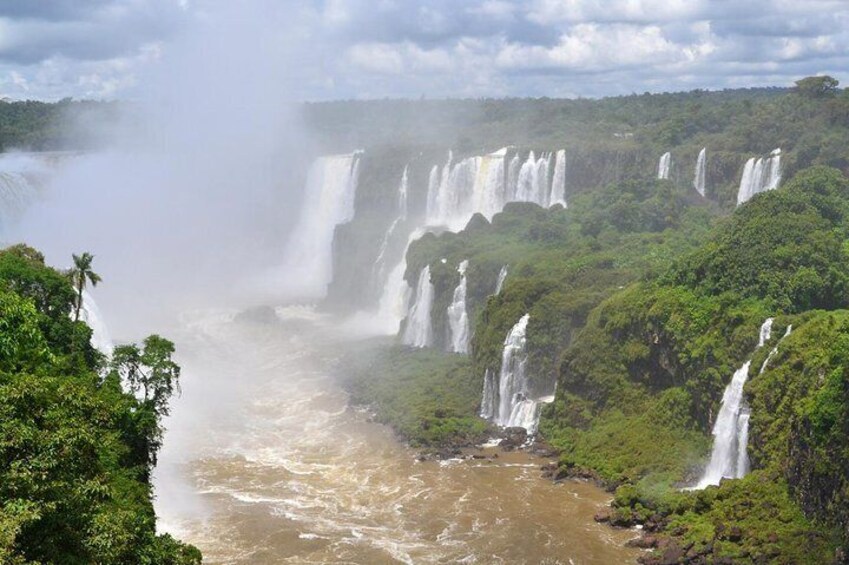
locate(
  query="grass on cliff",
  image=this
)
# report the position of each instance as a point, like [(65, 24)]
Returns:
[(430, 398)]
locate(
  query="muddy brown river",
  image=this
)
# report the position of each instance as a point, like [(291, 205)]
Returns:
[(265, 462)]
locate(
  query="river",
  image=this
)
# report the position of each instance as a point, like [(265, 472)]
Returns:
[(264, 461)]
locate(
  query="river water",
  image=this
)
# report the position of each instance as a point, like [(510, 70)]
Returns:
[(264, 461)]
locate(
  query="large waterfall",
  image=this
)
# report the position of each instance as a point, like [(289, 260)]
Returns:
[(379, 269), (483, 184), (19, 181), (509, 400), (419, 330), (664, 165), (90, 314), (328, 202), (731, 430), (699, 177), (458, 317), (760, 175)]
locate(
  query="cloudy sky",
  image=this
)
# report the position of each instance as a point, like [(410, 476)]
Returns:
[(332, 49)]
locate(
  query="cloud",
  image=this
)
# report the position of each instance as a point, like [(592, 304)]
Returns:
[(396, 48)]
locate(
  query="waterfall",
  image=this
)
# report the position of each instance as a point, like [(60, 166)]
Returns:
[(458, 317), (774, 350), (512, 381), (731, 430), (489, 190), (512, 179), (328, 202), (664, 165), (502, 276), (532, 183), (419, 332), (558, 182), (90, 314), (699, 178), (395, 297), (20, 174), (760, 175), (489, 400), (379, 267)]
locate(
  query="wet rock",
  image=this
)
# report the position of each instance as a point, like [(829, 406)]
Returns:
[(603, 516), (655, 523), (735, 534), (643, 542), (673, 554), (513, 438)]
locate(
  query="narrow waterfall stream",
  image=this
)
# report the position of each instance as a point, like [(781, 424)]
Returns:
[(458, 316), (731, 429)]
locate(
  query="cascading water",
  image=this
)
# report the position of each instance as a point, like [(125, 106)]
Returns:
[(507, 401), (502, 276), (379, 268), (458, 317), (731, 430), (512, 380), (328, 202), (19, 173), (482, 185), (664, 165), (532, 185), (90, 314), (419, 331), (774, 350), (760, 175), (489, 398), (699, 178), (395, 298), (558, 180)]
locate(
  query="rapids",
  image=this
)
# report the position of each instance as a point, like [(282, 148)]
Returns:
[(283, 470)]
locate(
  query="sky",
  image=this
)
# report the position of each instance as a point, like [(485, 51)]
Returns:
[(341, 49)]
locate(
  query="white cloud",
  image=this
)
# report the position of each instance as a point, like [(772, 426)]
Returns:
[(377, 48), (595, 47)]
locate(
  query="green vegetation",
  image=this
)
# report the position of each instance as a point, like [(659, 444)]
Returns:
[(45, 126), (429, 398), (643, 303), (76, 450)]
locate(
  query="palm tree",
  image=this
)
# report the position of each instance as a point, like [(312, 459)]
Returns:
[(80, 274)]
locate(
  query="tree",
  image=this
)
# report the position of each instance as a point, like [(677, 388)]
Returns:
[(153, 377), (817, 87), (80, 274)]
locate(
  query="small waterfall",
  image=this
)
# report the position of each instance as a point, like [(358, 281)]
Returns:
[(502, 276), (328, 202), (731, 430), (760, 175), (458, 317), (379, 267), (512, 381), (774, 350), (512, 178), (489, 400), (419, 332), (699, 178), (90, 314), (558, 182), (395, 297), (664, 165)]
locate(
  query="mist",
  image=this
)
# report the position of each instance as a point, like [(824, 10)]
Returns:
[(189, 202)]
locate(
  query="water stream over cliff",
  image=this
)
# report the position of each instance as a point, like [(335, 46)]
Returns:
[(280, 469)]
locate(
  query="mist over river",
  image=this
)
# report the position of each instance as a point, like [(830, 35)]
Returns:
[(264, 461)]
